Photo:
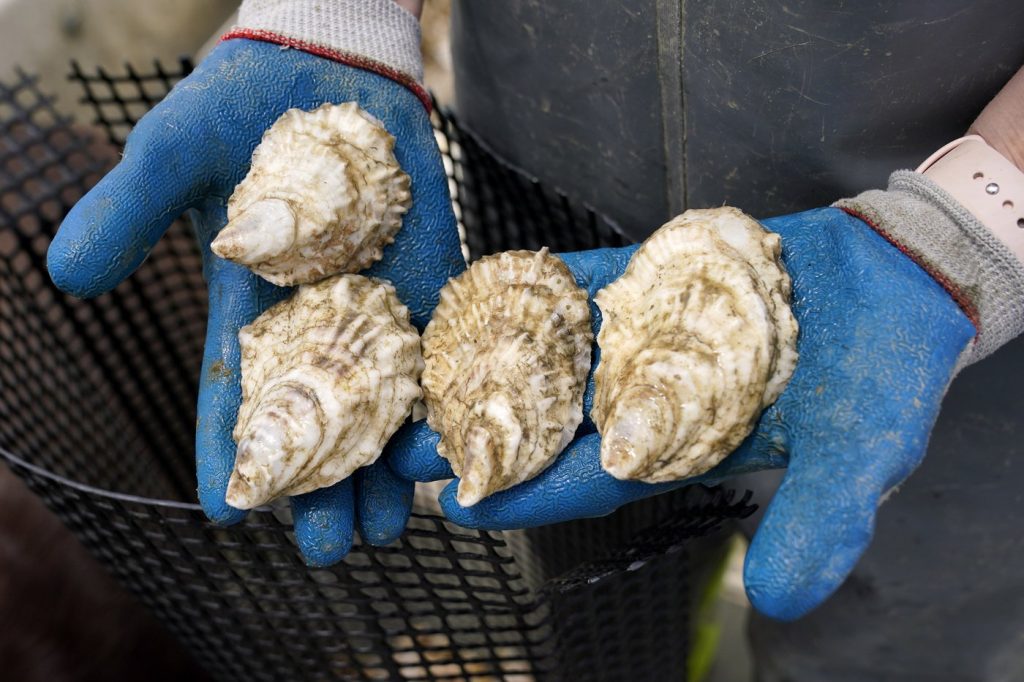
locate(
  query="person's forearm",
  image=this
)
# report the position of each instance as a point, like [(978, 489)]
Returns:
[(415, 7), (1001, 123)]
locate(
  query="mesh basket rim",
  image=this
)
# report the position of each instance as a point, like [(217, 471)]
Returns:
[(149, 501), (448, 114), (102, 492)]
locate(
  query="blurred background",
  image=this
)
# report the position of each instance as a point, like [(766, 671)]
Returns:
[(42, 36)]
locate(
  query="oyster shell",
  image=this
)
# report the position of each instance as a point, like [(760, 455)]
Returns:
[(324, 195), (328, 376), (697, 339), (506, 359)]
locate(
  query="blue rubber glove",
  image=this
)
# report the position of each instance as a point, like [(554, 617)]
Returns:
[(879, 340), (187, 155)]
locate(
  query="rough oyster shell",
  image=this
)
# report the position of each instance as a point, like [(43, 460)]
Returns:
[(506, 359), (697, 339), (324, 195), (328, 376)]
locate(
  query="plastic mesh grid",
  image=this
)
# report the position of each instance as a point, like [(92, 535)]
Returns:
[(119, 101), (501, 208), (97, 416)]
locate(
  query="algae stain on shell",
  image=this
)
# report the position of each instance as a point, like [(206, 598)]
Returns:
[(328, 376), (323, 196), (697, 339), (506, 357)]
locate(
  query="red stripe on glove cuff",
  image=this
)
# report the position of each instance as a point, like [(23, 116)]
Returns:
[(347, 58), (961, 299)]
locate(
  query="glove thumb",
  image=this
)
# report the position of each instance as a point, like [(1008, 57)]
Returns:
[(815, 530), (112, 229)]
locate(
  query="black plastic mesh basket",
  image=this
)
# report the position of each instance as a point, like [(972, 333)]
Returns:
[(97, 416)]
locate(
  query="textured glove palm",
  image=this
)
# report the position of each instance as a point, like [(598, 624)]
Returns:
[(188, 154), (879, 341)]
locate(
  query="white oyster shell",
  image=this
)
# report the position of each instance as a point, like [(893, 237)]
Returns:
[(323, 196), (697, 339), (506, 359), (328, 376)]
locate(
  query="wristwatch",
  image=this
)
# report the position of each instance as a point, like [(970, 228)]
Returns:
[(985, 183)]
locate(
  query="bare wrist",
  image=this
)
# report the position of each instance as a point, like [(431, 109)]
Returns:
[(414, 7), (1001, 123)]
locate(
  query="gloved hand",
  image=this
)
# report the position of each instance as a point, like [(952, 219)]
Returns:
[(188, 154), (879, 341)]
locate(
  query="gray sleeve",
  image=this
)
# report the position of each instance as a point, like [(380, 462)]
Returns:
[(376, 30), (941, 236)]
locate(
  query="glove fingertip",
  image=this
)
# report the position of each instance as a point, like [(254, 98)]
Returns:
[(324, 524), (217, 510), (467, 517), (412, 454), (786, 577), (781, 600), (383, 504), (82, 263), (768, 597), (61, 257), (492, 513), (380, 535), (319, 553), (109, 232)]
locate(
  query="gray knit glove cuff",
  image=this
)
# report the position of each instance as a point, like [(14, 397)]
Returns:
[(376, 35), (941, 236)]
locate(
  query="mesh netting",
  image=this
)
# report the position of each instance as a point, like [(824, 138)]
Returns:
[(97, 416)]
